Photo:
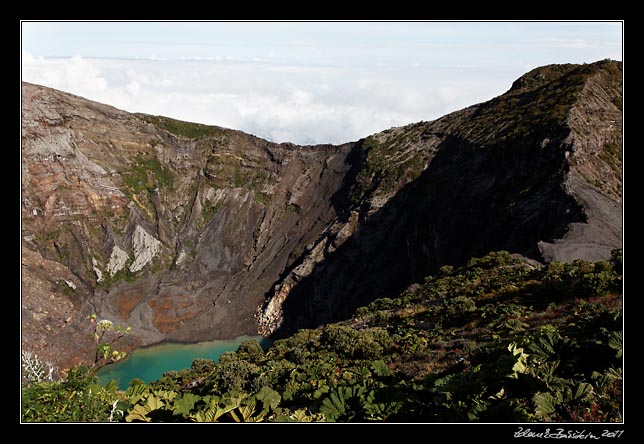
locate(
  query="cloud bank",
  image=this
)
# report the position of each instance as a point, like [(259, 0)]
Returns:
[(303, 104)]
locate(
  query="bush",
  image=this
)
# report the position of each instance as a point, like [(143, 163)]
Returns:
[(455, 307), (616, 260), (78, 399), (202, 365), (357, 344), (446, 270), (234, 375), (250, 350), (597, 284)]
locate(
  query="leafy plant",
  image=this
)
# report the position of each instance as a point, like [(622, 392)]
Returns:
[(79, 398), (105, 335), (342, 403)]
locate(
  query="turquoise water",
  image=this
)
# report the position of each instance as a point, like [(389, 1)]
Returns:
[(149, 363)]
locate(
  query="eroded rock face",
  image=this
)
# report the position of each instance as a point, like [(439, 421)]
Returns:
[(144, 247), (117, 261), (51, 302), (189, 232), (536, 171), (179, 236)]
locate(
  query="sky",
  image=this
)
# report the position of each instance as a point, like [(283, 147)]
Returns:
[(302, 82)]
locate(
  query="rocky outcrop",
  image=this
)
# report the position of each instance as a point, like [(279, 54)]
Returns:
[(191, 232), (144, 247), (117, 261), (595, 159)]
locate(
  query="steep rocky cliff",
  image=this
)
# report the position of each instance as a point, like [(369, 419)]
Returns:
[(192, 232), (535, 171)]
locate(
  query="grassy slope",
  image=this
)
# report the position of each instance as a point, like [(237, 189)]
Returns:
[(498, 340)]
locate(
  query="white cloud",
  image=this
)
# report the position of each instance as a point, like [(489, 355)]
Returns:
[(283, 103), (27, 58), (569, 43), (133, 88)]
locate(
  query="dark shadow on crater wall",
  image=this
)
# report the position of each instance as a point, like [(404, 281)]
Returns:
[(470, 200)]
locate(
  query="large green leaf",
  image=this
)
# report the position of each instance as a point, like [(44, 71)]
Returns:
[(214, 411), (138, 413), (334, 406), (382, 403), (380, 368), (520, 366), (581, 391), (136, 392), (165, 395), (615, 341), (338, 405), (515, 324), (513, 364), (479, 407), (247, 413), (154, 403), (301, 415), (546, 404), (269, 397), (544, 346), (200, 416), (321, 391), (614, 374), (508, 410), (184, 404)]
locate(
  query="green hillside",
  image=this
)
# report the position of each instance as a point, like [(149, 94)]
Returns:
[(502, 339)]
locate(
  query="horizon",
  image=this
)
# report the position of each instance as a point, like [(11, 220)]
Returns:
[(302, 82)]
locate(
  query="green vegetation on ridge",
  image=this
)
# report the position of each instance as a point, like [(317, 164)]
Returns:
[(391, 162), (499, 340), (181, 128), (543, 98)]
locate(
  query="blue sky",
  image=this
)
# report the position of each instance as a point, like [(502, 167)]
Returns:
[(303, 82)]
